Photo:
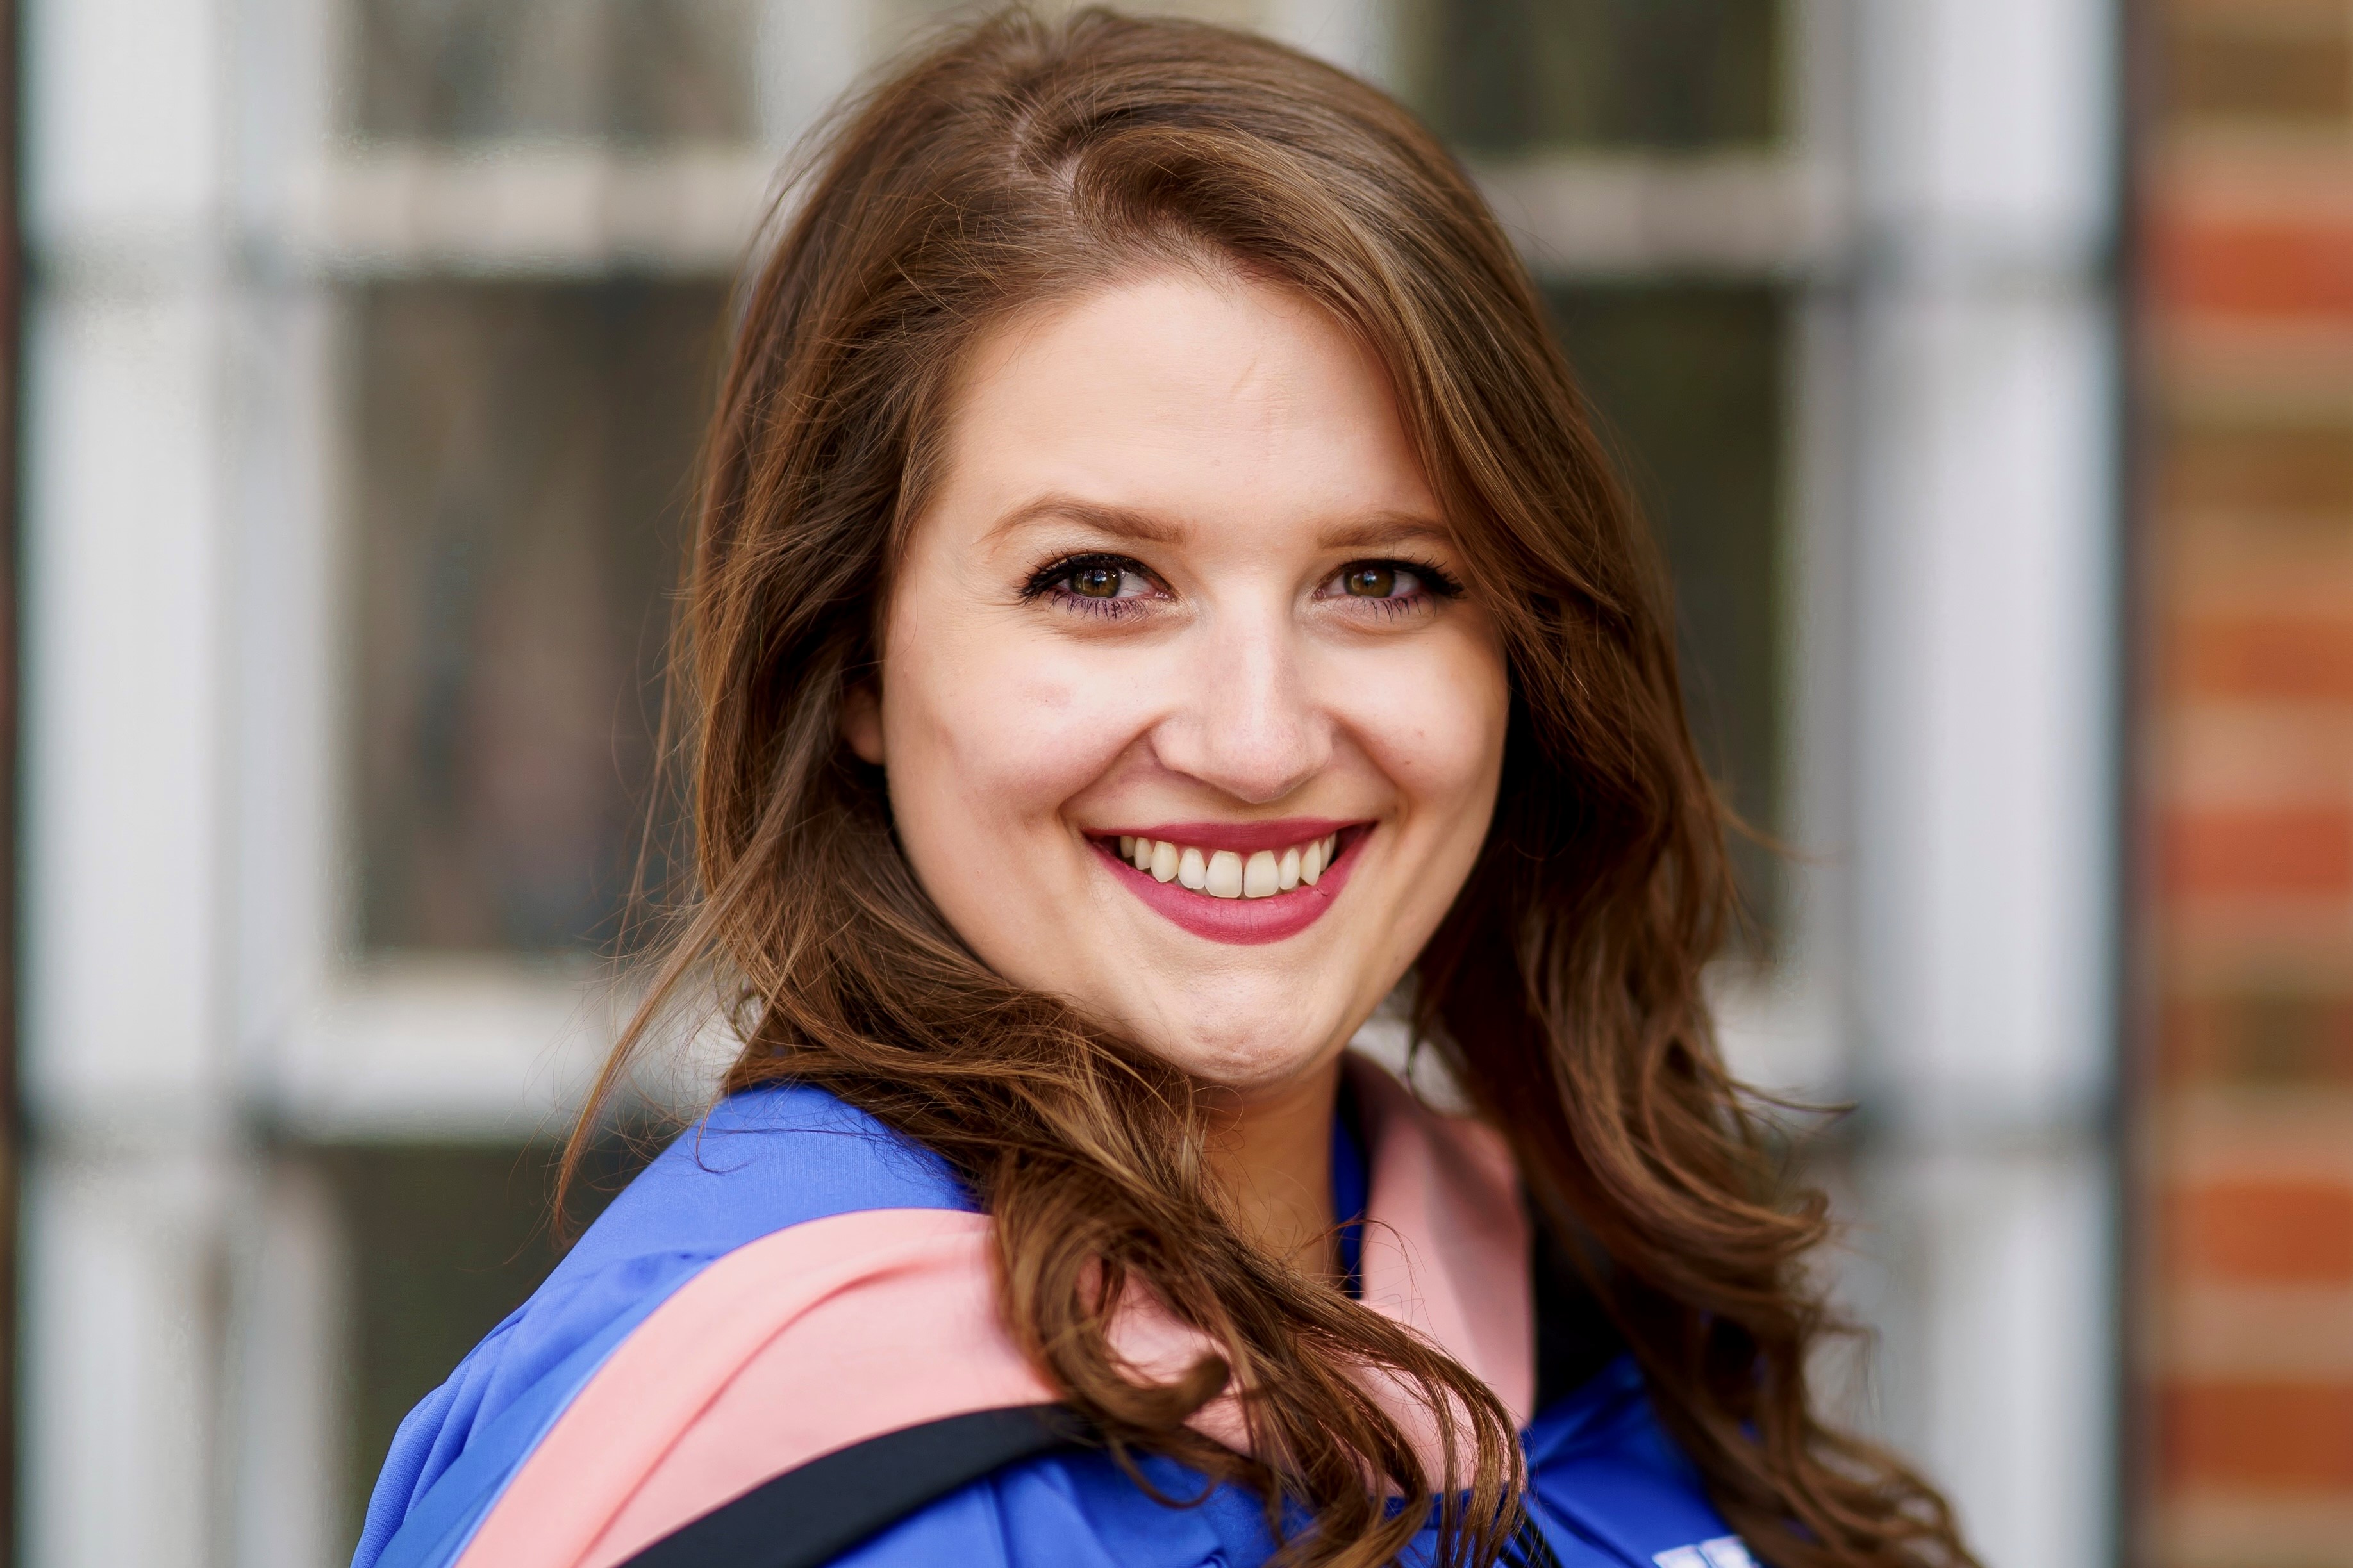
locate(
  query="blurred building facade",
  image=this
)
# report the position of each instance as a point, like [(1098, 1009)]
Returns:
[(2244, 947), (368, 348)]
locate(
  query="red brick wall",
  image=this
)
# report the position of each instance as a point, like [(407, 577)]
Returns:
[(2246, 1299)]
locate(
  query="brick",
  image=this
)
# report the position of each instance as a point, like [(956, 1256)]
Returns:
[(2230, 1135), (2289, 566), (2257, 1038), (2263, 656), (2287, 851), (2278, 75), (2274, 1232), (2281, 1436), (2237, 1530), (2215, 1330), (2304, 17), (2242, 466), (2233, 755), (2257, 267), (2248, 253)]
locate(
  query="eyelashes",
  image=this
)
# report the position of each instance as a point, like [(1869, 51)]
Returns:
[(1100, 584), (1095, 583), (1058, 572)]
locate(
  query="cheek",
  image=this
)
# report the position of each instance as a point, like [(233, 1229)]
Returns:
[(1434, 723), (1002, 731)]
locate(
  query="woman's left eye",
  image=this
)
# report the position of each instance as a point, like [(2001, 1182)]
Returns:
[(1395, 584)]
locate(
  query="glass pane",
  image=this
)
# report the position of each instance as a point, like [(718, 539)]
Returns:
[(1502, 77), (523, 453), (628, 70), (1688, 379), (897, 23), (444, 1242)]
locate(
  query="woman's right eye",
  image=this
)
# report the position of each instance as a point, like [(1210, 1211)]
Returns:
[(1107, 582)]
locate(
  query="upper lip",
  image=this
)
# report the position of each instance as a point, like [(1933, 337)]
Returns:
[(1242, 837)]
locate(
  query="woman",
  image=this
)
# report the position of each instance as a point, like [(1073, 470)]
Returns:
[(1157, 596)]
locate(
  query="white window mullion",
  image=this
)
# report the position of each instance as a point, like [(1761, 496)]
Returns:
[(132, 1134), (1983, 919)]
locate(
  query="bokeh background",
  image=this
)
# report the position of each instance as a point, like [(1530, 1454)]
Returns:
[(1987, 367)]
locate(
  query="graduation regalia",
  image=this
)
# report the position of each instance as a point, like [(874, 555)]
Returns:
[(780, 1347)]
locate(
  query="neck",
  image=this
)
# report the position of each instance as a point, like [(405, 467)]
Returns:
[(1273, 1157)]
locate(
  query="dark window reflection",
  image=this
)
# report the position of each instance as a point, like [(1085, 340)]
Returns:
[(444, 1242), (1689, 381), (1517, 76), (522, 458), (625, 69)]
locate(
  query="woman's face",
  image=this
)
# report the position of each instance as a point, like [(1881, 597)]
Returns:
[(1183, 715)]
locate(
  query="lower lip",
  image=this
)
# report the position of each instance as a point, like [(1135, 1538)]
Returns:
[(1244, 922)]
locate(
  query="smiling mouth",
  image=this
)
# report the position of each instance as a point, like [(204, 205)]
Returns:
[(1234, 882), (1230, 873)]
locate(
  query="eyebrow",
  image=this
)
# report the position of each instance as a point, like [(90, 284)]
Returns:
[(1380, 532), (1386, 531), (1119, 521)]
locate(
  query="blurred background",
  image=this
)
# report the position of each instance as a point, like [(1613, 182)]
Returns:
[(1987, 366)]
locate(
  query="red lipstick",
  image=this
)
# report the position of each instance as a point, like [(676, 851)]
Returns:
[(1246, 922)]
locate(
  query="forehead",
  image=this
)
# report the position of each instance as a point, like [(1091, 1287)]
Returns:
[(1208, 402)]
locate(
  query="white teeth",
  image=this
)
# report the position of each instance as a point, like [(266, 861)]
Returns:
[(1228, 873)]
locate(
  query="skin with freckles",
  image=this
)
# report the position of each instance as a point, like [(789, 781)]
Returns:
[(1181, 567)]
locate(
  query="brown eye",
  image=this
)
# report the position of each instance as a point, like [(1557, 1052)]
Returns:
[(1099, 581), (1369, 582)]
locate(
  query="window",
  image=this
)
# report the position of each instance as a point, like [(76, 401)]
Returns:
[(1677, 336), (622, 70), (423, 319), (1688, 378), (1507, 77), (527, 341), (522, 457), (444, 1240)]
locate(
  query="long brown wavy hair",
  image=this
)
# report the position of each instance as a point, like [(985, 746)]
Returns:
[(1016, 162)]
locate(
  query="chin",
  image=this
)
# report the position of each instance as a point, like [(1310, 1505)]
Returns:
[(1244, 1059)]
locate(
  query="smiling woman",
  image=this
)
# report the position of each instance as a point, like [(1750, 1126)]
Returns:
[(1157, 596), (1141, 570)]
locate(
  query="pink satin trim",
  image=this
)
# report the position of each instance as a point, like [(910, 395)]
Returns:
[(696, 1407), (1446, 1241), (840, 1330)]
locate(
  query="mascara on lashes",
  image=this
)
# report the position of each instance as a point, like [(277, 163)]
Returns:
[(1435, 580)]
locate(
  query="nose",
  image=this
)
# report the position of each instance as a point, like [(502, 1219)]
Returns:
[(1247, 724)]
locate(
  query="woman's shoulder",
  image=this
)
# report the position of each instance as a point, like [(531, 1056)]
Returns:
[(1606, 1478), (1608, 1490), (757, 1162), (762, 1161)]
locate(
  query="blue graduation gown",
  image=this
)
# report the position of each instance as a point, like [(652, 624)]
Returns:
[(1608, 1487)]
